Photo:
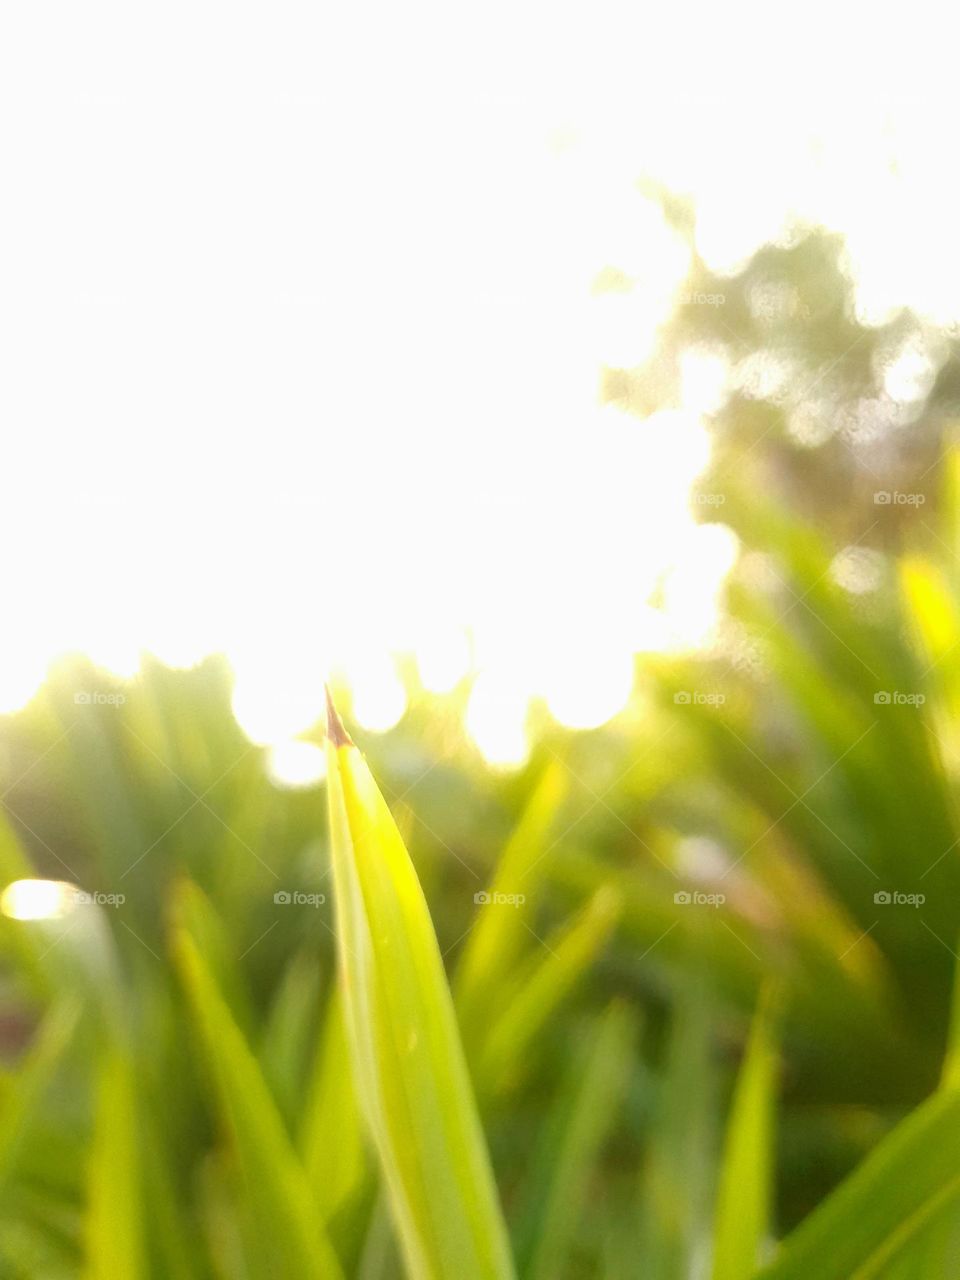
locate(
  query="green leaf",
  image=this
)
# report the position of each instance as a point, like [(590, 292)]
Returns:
[(542, 987), (25, 1093), (677, 1182), (409, 1065), (743, 1197), (885, 1203), (933, 1251), (289, 1034), (201, 920), (169, 1230), (332, 1139), (277, 1189), (115, 1209), (572, 1139), (950, 1076), (498, 937)]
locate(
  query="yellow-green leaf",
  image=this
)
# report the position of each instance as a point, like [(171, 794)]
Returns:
[(115, 1209), (573, 1137), (535, 995), (23, 1098), (332, 1139), (276, 1185), (743, 1197), (886, 1203), (497, 937), (412, 1078)]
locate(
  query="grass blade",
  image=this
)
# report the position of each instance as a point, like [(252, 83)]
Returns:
[(288, 1036), (950, 1075), (25, 1094), (498, 937), (115, 1212), (408, 1061), (277, 1189), (677, 1183), (332, 1121), (543, 987), (572, 1141), (743, 1197), (886, 1202)]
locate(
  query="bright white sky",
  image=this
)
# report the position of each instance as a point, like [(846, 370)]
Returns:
[(299, 357)]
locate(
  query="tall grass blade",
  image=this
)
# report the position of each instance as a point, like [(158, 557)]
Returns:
[(498, 937), (332, 1138), (677, 1179), (115, 1213), (542, 986), (743, 1197), (884, 1205), (26, 1091), (408, 1061), (277, 1189), (573, 1137)]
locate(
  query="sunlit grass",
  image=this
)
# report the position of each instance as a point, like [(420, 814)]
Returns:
[(532, 987)]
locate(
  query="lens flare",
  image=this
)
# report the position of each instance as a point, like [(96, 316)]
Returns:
[(294, 765), (496, 721), (38, 899)]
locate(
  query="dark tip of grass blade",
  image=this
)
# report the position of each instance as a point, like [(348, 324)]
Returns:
[(335, 730)]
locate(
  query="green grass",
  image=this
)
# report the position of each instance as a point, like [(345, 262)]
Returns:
[(584, 1073)]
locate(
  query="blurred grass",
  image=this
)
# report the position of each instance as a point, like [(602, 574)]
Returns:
[(187, 1087)]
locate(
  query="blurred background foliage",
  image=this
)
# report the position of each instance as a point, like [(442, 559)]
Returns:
[(604, 1018)]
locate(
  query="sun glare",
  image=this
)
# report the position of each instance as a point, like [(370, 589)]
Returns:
[(38, 899), (443, 658), (379, 697), (496, 720), (19, 680), (475, 506), (271, 708), (592, 690), (296, 764)]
